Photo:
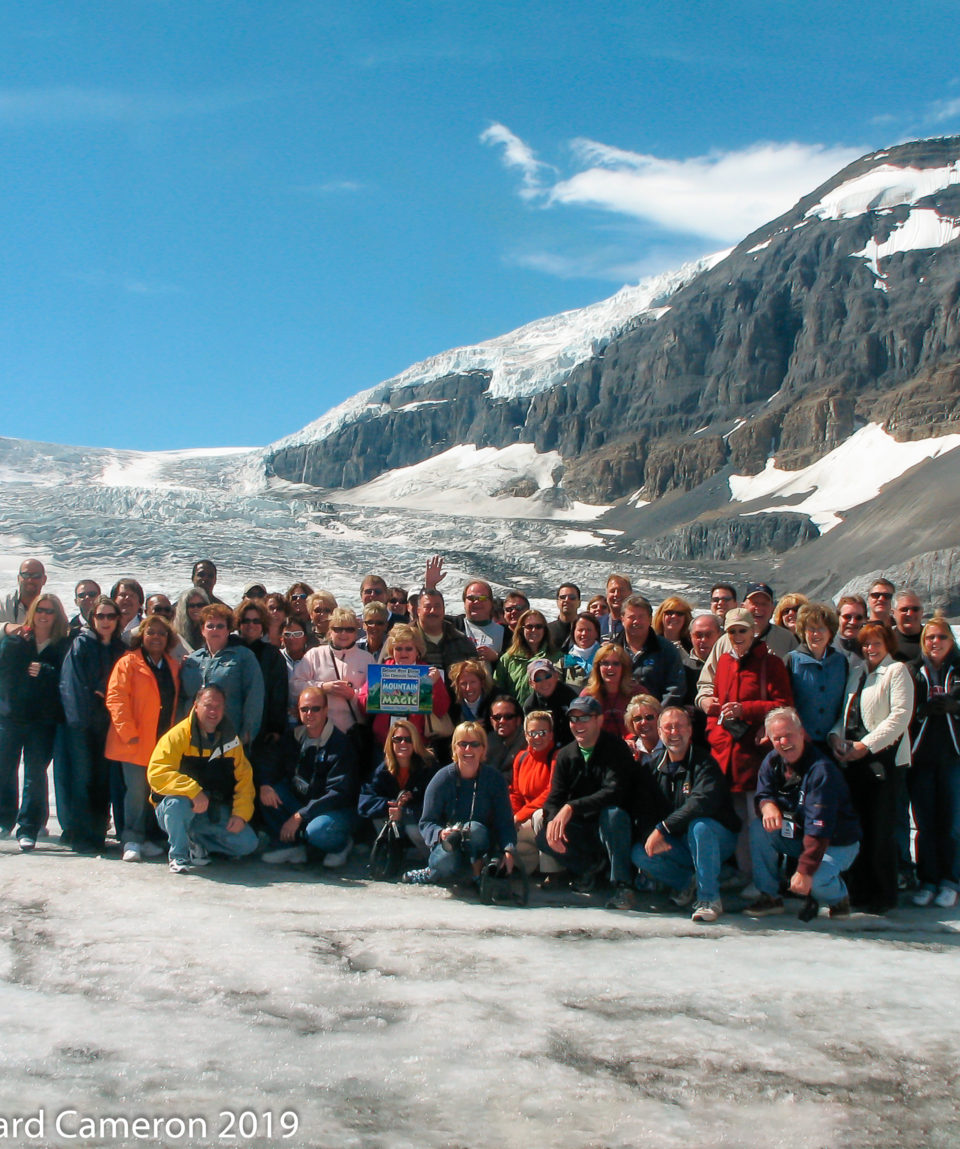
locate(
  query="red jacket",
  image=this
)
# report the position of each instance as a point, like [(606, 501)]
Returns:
[(740, 680), (133, 699), (530, 788)]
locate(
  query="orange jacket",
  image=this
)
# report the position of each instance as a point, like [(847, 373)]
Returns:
[(531, 782), (133, 699)]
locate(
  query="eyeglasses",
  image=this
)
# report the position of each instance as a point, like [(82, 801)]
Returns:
[(311, 709), (853, 617), (543, 676), (196, 605), (397, 601), (534, 626), (87, 593), (477, 598), (504, 717), (910, 609), (100, 617), (674, 614), (469, 745), (538, 733), (609, 662), (32, 576), (573, 718), (880, 594), (514, 608), (297, 596), (344, 629), (401, 739), (253, 620), (166, 611), (721, 598), (293, 634), (45, 610), (322, 610)]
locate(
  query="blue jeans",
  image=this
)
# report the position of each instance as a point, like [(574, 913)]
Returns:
[(448, 864), (585, 837), (209, 830), (700, 851), (768, 846), (328, 832), (35, 741), (89, 788)]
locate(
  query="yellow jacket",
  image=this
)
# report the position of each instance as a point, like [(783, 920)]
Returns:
[(164, 776)]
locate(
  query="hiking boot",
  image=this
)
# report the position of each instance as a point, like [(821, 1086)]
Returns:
[(764, 907), (840, 909), (684, 897), (624, 898)]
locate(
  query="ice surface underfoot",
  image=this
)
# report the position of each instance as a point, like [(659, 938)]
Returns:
[(388, 1016)]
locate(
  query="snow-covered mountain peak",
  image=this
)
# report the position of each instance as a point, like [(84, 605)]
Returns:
[(531, 359), (882, 188)]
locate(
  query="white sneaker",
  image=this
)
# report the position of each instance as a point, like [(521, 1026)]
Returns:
[(151, 850), (179, 867), (707, 911), (946, 898), (335, 861), (291, 854), (924, 896), (198, 855), (26, 844), (131, 852)]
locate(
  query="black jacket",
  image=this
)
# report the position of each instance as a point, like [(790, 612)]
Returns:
[(590, 787), (23, 697), (693, 788)]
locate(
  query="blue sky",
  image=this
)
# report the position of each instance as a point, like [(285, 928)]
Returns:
[(220, 219)]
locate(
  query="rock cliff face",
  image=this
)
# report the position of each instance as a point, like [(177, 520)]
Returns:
[(783, 348)]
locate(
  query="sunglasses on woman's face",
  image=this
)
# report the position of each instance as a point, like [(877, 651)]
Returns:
[(403, 739), (101, 617)]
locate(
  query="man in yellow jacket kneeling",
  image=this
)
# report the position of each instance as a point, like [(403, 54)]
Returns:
[(202, 786)]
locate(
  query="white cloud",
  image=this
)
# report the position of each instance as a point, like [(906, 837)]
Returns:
[(517, 154), (721, 196), (724, 195)]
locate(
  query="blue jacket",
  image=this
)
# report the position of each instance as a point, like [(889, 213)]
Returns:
[(819, 689), (450, 798), (83, 680), (813, 792), (323, 778), (236, 671), (658, 668), (383, 788)]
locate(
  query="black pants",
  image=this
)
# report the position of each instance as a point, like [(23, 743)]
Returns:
[(872, 879)]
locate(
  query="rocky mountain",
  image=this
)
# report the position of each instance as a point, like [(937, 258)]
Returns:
[(788, 409), (839, 315)]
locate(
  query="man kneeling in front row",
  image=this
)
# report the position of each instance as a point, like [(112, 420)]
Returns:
[(805, 813), (309, 790), (698, 826), (202, 785)]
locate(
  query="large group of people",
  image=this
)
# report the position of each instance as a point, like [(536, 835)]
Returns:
[(775, 749)]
